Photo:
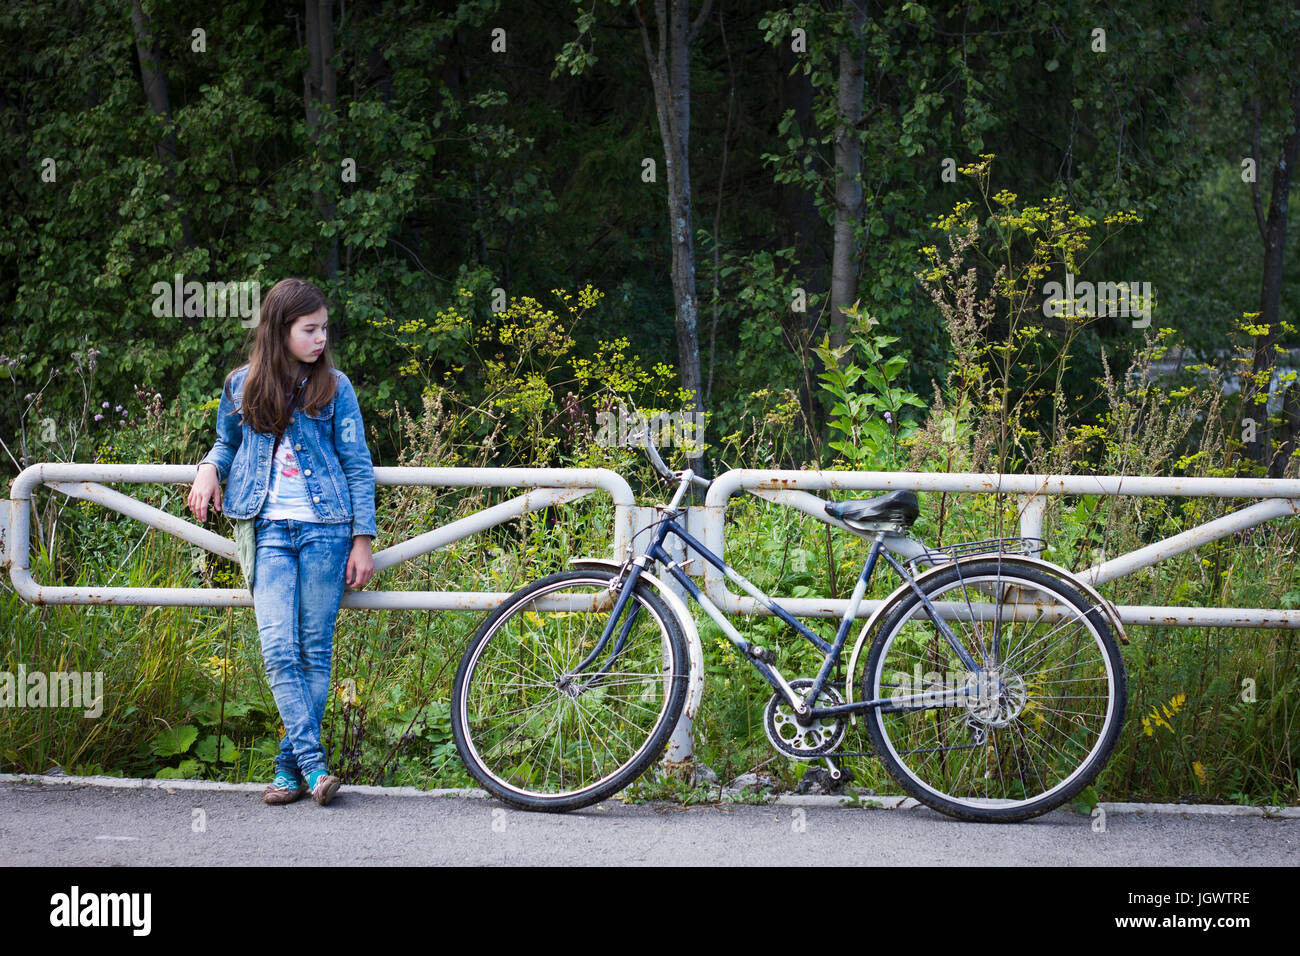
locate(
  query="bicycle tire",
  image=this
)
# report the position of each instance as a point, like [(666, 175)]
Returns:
[(1042, 744), (537, 741)]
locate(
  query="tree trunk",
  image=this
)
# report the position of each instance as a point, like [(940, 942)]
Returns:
[(319, 99), (380, 70), (1273, 232), (671, 77), (804, 232), (1288, 431), (92, 94), (155, 91), (848, 163)]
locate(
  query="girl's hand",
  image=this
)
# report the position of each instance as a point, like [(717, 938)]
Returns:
[(361, 564), (206, 487)]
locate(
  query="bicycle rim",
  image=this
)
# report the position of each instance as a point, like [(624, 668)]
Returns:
[(542, 737), (1027, 730)]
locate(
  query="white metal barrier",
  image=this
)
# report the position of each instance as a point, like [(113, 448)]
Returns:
[(554, 486), (548, 486), (790, 489)]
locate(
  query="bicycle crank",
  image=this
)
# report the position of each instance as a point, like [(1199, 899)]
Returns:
[(817, 738)]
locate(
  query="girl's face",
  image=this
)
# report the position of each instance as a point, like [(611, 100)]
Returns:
[(307, 336)]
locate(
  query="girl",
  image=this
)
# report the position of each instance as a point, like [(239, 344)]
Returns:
[(292, 452)]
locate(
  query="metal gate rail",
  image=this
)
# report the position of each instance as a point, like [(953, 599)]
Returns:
[(549, 486), (790, 489), (555, 486)]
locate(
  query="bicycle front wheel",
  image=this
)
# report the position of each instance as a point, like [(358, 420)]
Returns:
[(1029, 726), (540, 734)]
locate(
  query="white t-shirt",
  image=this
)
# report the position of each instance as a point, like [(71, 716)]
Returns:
[(287, 497)]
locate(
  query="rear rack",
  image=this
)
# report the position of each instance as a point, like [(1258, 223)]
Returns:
[(969, 549)]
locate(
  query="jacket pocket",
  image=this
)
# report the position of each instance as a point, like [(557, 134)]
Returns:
[(323, 414)]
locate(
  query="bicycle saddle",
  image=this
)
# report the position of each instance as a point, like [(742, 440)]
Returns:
[(900, 506)]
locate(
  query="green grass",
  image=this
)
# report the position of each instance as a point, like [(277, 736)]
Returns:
[(185, 693)]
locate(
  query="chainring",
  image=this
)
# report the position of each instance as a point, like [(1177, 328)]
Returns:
[(786, 734)]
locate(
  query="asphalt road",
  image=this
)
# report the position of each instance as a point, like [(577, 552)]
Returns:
[(66, 825)]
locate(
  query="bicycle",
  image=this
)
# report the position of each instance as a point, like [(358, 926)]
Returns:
[(993, 690)]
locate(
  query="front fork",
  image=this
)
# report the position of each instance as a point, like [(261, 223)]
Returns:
[(624, 596)]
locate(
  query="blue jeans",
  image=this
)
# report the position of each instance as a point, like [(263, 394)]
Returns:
[(298, 584)]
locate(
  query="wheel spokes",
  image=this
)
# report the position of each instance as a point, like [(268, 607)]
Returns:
[(542, 730), (1022, 727)]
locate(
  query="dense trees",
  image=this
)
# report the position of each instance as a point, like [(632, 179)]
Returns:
[(401, 152)]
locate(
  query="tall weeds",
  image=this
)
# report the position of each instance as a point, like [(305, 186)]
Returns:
[(185, 694)]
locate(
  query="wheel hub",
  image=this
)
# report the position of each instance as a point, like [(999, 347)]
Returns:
[(996, 696)]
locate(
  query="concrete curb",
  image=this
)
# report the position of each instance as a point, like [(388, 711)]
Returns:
[(785, 800), (153, 783)]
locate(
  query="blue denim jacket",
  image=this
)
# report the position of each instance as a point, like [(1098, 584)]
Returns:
[(330, 444)]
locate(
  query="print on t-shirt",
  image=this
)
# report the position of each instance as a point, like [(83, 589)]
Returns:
[(287, 496)]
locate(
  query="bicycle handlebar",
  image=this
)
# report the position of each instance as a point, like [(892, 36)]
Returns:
[(657, 460)]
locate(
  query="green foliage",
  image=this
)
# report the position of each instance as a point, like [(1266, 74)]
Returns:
[(1013, 343), (175, 740), (751, 305), (186, 696), (866, 404), (1086, 801), (474, 177)]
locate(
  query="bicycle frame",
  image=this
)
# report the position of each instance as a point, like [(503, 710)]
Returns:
[(759, 657)]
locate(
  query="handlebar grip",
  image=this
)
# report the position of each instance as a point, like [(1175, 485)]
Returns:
[(657, 460), (643, 439)]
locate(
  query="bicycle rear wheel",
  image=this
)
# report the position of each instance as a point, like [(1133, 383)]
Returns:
[(1026, 730), (538, 734)]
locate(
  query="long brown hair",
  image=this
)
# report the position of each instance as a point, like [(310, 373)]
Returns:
[(273, 372)]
